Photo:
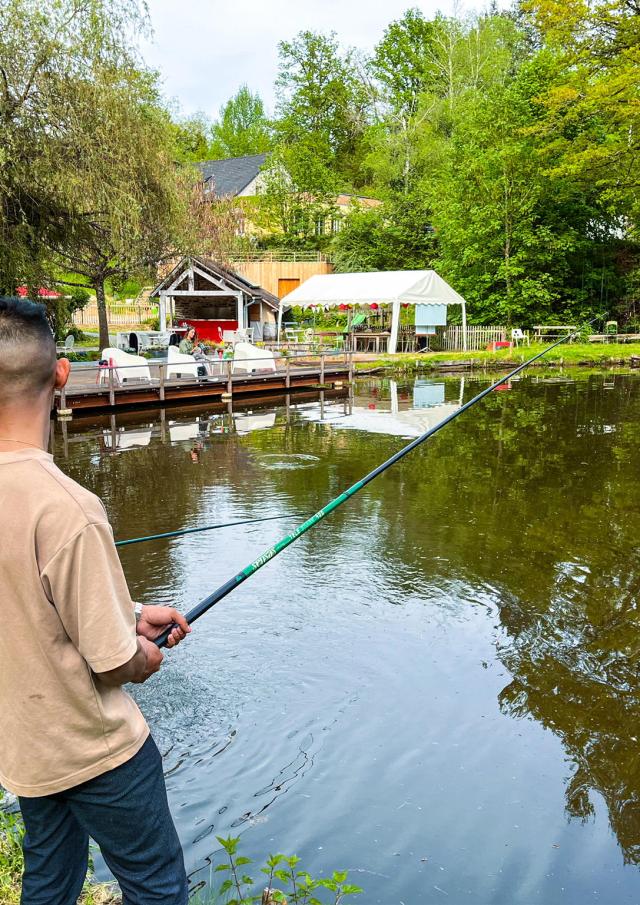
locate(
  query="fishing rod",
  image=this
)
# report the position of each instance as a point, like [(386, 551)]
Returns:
[(181, 531), (201, 608)]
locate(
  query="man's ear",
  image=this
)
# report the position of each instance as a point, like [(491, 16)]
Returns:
[(63, 367)]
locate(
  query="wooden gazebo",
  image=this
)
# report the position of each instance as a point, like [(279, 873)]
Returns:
[(213, 299)]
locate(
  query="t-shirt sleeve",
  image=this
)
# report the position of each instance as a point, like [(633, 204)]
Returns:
[(85, 583)]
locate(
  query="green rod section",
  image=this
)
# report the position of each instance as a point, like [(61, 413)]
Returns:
[(181, 531), (201, 608)]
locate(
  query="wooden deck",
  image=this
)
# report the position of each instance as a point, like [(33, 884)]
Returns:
[(83, 394)]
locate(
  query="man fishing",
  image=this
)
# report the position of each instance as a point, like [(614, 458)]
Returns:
[(74, 747)]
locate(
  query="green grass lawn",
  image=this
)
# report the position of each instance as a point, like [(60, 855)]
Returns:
[(569, 354)]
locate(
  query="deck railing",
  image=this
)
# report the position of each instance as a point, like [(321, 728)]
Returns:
[(219, 370), (282, 256)]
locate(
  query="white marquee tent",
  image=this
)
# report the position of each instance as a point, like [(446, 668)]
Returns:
[(388, 287)]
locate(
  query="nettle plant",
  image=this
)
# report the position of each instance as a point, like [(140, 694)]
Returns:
[(298, 887)]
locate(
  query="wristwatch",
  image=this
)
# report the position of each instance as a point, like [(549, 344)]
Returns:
[(137, 609)]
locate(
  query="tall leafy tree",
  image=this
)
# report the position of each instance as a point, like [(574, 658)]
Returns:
[(297, 195), (124, 199), (47, 49), (192, 139), (321, 100), (589, 133), (242, 128)]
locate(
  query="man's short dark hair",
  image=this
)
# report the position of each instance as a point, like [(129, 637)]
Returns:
[(27, 349)]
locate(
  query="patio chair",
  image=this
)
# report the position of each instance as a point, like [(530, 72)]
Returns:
[(180, 365), (357, 319), (518, 335), (126, 366), (248, 359), (67, 346)]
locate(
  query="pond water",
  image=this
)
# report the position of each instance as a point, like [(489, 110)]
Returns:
[(437, 687)]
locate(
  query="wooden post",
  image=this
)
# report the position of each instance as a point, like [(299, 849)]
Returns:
[(65, 438), (322, 368), (350, 367), (112, 393), (230, 377), (162, 367), (63, 411), (287, 379)]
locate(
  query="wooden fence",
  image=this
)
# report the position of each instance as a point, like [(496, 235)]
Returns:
[(449, 339), (118, 315)]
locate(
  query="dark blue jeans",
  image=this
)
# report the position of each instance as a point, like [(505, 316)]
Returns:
[(126, 812)]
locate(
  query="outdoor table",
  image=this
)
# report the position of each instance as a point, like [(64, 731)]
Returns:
[(552, 331), (370, 336)]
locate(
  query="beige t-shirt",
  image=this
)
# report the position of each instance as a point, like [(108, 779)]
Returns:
[(66, 614)]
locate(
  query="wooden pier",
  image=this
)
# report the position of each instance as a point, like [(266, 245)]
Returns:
[(92, 388)]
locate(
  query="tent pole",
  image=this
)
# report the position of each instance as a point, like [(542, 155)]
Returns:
[(464, 326), (395, 318)]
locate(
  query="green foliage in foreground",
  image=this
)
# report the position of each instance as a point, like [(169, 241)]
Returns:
[(297, 886)]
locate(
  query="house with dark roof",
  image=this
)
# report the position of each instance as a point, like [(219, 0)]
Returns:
[(279, 271), (234, 177)]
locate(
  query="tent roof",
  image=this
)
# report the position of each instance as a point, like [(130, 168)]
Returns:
[(413, 287)]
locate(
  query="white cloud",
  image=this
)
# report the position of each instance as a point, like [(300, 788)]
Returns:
[(206, 49)]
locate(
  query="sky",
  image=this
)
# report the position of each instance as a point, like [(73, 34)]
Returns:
[(206, 49)]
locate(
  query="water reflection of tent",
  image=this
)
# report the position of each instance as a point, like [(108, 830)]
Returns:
[(126, 439), (247, 421), (429, 407), (426, 394)]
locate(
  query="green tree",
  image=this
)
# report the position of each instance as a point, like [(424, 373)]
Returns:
[(322, 101), (192, 139), (47, 49), (297, 195), (589, 129), (124, 198), (395, 236), (243, 127)]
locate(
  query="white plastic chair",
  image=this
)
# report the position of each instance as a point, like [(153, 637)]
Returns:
[(67, 345), (180, 365), (127, 366), (518, 335), (248, 358)]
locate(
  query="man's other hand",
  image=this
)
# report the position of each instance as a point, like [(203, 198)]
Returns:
[(154, 620), (152, 662)]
